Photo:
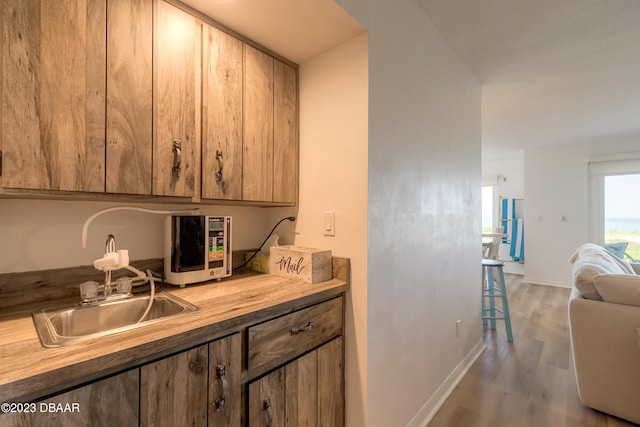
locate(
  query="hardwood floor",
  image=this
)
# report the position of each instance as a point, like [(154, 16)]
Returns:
[(529, 382)]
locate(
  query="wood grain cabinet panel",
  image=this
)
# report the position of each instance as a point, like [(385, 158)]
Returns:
[(225, 382), (301, 391), (331, 384), (53, 94), (295, 333), (285, 133), (198, 387), (176, 136), (267, 400), (221, 115), (77, 105), (308, 391), (15, 419), (257, 172), (109, 402), (173, 391), (270, 171), (129, 96)]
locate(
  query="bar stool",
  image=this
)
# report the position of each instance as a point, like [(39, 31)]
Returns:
[(490, 292)]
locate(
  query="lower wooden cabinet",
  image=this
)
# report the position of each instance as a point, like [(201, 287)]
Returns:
[(266, 400), (331, 384), (109, 402), (279, 370), (308, 391), (173, 391), (225, 382), (197, 387)]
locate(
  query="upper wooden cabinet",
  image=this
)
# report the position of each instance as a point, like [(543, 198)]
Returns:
[(270, 149), (53, 94), (140, 97), (285, 133), (176, 101), (257, 172), (221, 115), (129, 96), (76, 74)]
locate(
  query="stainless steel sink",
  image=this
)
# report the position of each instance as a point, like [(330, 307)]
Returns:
[(58, 326)]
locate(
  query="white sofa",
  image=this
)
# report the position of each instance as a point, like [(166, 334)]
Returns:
[(604, 325)]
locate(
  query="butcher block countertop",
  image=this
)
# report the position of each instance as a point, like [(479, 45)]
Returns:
[(29, 371)]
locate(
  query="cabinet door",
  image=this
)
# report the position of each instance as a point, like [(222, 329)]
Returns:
[(176, 59), (53, 94), (16, 419), (173, 391), (301, 397), (129, 100), (285, 133), (331, 384), (221, 115), (308, 391), (109, 402), (257, 172), (225, 382), (266, 400)]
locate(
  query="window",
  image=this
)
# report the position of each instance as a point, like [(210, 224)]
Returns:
[(487, 209), (615, 205), (622, 214)]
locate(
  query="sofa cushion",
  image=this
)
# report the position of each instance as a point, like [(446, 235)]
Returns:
[(618, 288), (590, 260)]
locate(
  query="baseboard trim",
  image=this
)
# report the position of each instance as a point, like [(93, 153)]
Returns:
[(429, 410), (535, 281)]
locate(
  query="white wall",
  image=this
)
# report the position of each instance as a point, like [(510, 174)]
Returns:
[(333, 177), (46, 234), (555, 186), (424, 204), (510, 171)]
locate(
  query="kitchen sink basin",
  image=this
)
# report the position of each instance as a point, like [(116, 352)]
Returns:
[(58, 326)]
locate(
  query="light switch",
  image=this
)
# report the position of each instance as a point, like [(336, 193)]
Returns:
[(329, 223)]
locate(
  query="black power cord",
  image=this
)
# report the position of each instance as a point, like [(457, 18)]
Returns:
[(290, 218)]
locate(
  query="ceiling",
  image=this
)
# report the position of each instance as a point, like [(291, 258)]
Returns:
[(295, 29), (552, 71)]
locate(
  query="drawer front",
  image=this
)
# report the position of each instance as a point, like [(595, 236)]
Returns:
[(294, 333)]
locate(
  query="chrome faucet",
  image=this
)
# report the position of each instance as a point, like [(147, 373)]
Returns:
[(110, 246)]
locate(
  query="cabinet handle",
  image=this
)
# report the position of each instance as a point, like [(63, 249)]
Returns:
[(296, 330), (220, 165), (177, 157), (221, 372), (266, 405)]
